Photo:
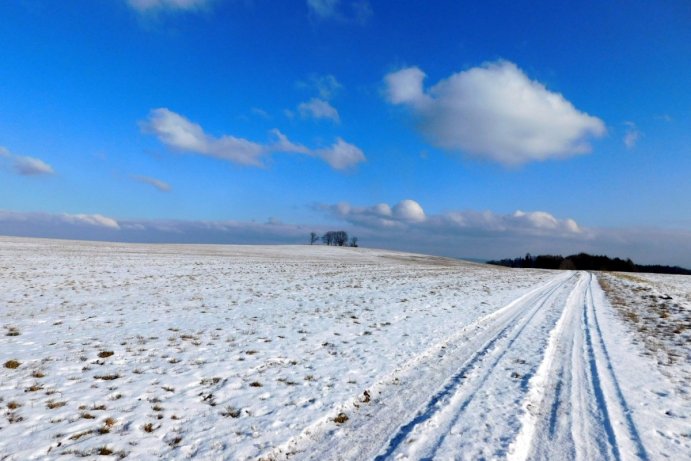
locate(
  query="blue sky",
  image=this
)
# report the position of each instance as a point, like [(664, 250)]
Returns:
[(482, 130)]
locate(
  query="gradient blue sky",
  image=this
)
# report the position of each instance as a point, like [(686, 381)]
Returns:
[(481, 130)]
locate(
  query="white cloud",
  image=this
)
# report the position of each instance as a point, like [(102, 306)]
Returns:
[(91, 220), (409, 214), (29, 166), (318, 108), (632, 135), (26, 166), (283, 144), (156, 183), (405, 87), (409, 210), (496, 112), (341, 155), (179, 133), (44, 224), (145, 6)]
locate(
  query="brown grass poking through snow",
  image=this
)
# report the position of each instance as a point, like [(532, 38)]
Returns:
[(53, 404), (659, 320), (12, 364)]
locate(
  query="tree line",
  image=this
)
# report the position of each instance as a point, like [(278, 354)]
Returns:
[(584, 261), (334, 238)]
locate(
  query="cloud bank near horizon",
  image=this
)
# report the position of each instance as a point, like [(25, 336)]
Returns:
[(404, 226)]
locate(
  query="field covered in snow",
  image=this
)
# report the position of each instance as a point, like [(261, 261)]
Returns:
[(275, 352)]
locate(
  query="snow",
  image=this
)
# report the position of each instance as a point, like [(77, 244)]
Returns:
[(312, 352)]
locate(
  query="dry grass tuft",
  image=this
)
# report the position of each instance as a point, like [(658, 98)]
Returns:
[(79, 435), (341, 418), (52, 404), (12, 364), (107, 377), (13, 405), (34, 387), (104, 451), (105, 354)]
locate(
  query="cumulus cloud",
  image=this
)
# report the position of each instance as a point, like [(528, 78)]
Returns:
[(496, 112), (179, 133), (153, 182), (341, 155), (632, 135), (146, 6), (26, 166), (409, 211), (318, 108)]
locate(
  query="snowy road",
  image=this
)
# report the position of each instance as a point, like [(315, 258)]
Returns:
[(533, 380)]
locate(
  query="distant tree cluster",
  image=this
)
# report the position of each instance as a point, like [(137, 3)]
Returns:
[(584, 261), (334, 238)]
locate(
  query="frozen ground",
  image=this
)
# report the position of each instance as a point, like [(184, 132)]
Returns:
[(223, 352)]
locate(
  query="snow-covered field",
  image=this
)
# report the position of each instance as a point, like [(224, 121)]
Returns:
[(241, 352)]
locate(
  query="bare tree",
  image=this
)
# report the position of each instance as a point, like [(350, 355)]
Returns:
[(353, 242), (313, 238), (328, 238), (336, 238), (341, 238)]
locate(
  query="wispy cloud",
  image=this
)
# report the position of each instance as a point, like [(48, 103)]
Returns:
[(318, 109), (323, 9), (495, 112), (149, 6), (179, 133), (327, 86), (359, 11), (632, 135), (26, 166), (153, 182), (34, 223)]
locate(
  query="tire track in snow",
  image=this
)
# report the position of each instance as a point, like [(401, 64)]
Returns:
[(402, 397), (449, 404), (623, 428), (596, 421)]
